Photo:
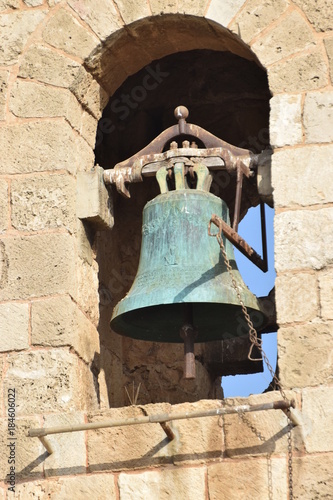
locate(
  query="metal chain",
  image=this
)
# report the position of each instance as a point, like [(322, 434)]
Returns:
[(256, 342)]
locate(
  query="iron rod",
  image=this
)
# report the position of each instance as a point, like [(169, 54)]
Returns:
[(164, 417)]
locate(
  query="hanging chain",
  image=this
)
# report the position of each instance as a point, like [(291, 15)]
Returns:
[(256, 342)]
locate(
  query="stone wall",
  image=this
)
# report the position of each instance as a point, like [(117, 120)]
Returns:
[(59, 63)]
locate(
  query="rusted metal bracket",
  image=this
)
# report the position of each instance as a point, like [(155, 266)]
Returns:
[(216, 154), (238, 242)]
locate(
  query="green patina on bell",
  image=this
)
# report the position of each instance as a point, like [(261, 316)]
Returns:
[(181, 269)]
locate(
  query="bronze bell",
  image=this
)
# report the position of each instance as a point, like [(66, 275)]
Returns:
[(182, 290)]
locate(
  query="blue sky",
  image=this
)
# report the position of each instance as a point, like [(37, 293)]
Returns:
[(260, 284)]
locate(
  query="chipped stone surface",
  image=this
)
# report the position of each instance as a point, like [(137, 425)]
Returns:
[(46, 378), (29, 453), (305, 357), (291, 35), (38, 146), (296, 297), (329, 49), (33, 100), (317, 409), (4, 207), (69, 450), (48, 66), (233, 480), (186, 484), (318, 117), (15, 29), (303, 176), (64, 32), (57, 321), (43, 202), (285, 120), (162, 7), (319, 13), (87, 291), (101, 486), (313, 478), (9, 4), (256, 16), (37, 265), (326, 293), (298, 248), (4, 76), (131, 10), (14, 326), (33, 3), (223, 12), (303, 72), (103, 21), (89, 93)]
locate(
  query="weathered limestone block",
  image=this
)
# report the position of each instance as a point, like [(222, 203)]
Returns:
[(326, 293), (131, 10), (303, 176), (305, 357), (242, 434), (312, 476), (34, 147), (64, 32), (89, 93), (14, 326), (303, 239), (103, 21), (291, 35), (319, 13), (318, 117), (285, 120), (57, 322), (329, 49), (33, 100), (29, 453), (46, 380), (85, 157), (87, 286), (88, 389), (162, 7), (4, 76), (317, 409), (15, 29), (43, 202), (233, 480), (36, 266), (88, 128), (69, 450), (101, 486), (48, 66), (134, 447), (223, 12), (94, 202), (186, 484), (4, 206), (296, 297), (256, 16), (303, 72)]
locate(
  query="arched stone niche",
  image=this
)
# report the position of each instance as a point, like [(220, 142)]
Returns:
[(148, 69)]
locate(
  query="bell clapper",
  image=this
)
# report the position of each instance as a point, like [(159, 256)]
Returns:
[(188, 333)]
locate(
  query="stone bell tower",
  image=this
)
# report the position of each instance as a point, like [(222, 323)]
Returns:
[(85, 85)]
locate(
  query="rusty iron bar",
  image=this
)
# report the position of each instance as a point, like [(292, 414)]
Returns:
[(163, 418), (237, 241), (238, 199)]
